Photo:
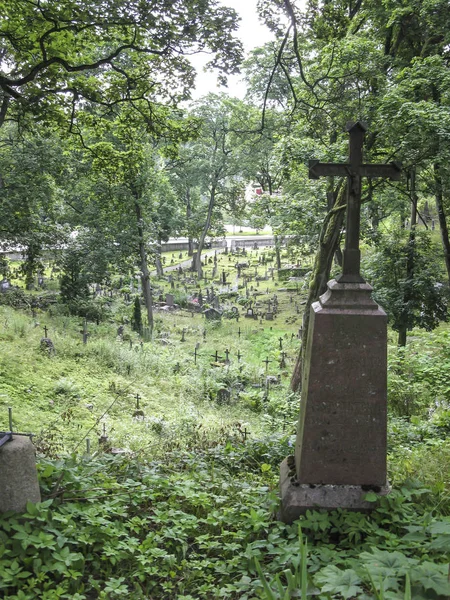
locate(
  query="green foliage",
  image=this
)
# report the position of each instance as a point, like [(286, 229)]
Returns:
[(200, 525), (136, 317), (415, 299), (74, 283), (74, 54)]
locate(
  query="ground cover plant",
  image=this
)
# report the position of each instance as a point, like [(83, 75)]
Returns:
[(187, 507)]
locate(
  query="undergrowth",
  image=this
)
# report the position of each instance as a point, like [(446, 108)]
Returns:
[(203, 525)]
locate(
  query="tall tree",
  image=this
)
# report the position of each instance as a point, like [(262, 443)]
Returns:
[(57, 56), (214, 158)]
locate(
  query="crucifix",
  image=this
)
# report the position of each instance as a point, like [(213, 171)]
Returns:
[(195, 355), (45, 330), (216, 356), (267, 361), (354, 170)]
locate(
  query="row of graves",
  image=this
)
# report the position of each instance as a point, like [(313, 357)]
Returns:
[(340, 451)]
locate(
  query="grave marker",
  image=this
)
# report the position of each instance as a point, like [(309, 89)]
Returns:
[(341, 441), (267, 362), (195, 355), (18, 474), (216, 356)]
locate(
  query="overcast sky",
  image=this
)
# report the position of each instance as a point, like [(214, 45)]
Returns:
[(251, 32)]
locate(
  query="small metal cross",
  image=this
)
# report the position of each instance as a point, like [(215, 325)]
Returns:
[(281, 343), (45, 330), (267, 361)]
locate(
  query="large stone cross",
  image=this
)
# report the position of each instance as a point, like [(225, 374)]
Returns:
[(354, 170), (340, 451)]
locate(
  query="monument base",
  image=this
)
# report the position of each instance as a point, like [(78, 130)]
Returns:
[(18, 475), (297, 498)]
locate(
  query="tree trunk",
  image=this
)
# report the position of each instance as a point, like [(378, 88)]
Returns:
[(410, 261), (329, 240), (441, 216), (277, 251), (158, 263), (188, 216), (201, 241), (145, 273)]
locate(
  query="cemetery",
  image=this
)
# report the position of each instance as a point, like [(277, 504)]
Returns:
[(189, 411)]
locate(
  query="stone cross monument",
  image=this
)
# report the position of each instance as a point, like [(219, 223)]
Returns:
[(340, 451)]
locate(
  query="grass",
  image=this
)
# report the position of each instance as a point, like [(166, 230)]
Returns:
[(71, 393)]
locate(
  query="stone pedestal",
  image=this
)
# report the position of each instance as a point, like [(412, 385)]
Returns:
[(18, 475), (341, 438)]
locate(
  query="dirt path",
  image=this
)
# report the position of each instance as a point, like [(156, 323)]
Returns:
[(187, 263)]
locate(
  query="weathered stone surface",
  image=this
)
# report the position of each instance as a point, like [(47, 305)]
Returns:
[(297, 498), (18, 475), (342, 426)]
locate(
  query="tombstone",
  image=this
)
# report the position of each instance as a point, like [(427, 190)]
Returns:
[(224, 278), (215, 303), (4, 285), (269, 316), (223, 396), (250, 313), (84, 332), (120, 330), (211, 314), (46, 345), (18, 474), (169, 299), (340, 450), (200, 298)]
